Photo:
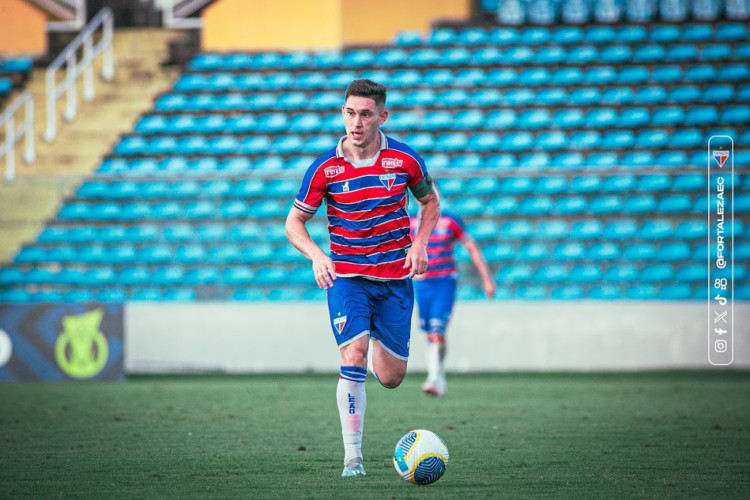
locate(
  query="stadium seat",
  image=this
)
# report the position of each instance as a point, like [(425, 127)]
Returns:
[(551, 273), (656, 273), (605, 251), (569, 205), (621, 273), (552, 96), (616, 54), (585, 96), (514, 274)]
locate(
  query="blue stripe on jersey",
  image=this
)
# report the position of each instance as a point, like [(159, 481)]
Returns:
[(367, 205), (395, 234), (359, 225), (353, 373), (376, 258)]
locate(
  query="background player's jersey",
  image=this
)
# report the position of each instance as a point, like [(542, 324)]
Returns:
[(366, 207), (441, 248)]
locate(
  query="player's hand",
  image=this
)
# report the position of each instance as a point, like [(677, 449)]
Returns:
[(416, 260), (489, 288), (325, 272)]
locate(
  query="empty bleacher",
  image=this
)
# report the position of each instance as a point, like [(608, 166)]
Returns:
[(575, 154)]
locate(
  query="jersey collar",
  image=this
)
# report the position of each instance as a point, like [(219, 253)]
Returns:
[(368, 162)]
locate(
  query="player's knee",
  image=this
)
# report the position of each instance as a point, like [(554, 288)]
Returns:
[(391, 380)]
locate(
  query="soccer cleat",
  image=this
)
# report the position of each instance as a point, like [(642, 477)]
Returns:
[(436, 388), (357, 471)]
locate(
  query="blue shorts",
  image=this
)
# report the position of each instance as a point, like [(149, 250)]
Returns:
[(380, 309), (435, 298)]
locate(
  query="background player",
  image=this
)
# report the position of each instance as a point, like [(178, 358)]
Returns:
[(436, 291), (364, 180)]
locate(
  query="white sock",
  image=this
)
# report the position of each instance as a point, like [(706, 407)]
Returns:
[(352, 401), (434, 363)]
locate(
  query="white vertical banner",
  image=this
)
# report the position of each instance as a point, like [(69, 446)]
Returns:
[(720, 186)]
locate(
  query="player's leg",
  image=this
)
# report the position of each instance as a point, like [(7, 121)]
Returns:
[(443, 298), (391, 331), (350, 320)]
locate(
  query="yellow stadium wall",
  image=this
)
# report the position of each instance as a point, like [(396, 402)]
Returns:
[(23, 29), (233, 25)]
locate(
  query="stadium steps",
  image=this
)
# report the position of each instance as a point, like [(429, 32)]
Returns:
[(59, 168)]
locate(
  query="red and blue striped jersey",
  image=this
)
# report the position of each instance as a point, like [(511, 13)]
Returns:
[(441, 247), (366, 207)]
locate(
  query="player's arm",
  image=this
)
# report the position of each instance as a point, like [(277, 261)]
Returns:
[(488, 284), (299, 237), (427, 196)]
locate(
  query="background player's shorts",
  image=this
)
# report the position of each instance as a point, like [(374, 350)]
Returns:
[(381, 309), (435, 298)]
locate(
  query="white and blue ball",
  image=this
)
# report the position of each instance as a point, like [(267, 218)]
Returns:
[(420, 457)]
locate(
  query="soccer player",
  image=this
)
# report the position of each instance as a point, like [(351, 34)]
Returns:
[(436, 291), (373, 258)]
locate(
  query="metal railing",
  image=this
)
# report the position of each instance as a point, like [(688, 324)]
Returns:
[(14, 134), (175, 13), (75, 69)]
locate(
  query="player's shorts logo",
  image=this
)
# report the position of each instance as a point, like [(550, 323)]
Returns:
[(387, 180), (339, 324), (391, 162), (720, 156), (331, 172)]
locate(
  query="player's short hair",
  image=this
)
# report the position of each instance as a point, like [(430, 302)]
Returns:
[(367, 88)]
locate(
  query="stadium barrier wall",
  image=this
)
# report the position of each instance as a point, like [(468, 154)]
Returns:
[(247, 25), (483, 336)]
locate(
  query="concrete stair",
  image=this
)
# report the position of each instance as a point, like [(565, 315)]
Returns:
[(34, 197)]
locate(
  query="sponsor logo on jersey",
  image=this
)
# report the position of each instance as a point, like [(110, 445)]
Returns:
[(345, 187), (387, 180), (391, 162), (339, 324), (333, 171), (720, 157)]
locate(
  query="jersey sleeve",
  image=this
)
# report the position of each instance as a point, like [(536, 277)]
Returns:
[(458, 227), (313, 190)]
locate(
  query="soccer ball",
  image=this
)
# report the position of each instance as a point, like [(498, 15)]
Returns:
[(420, 457)]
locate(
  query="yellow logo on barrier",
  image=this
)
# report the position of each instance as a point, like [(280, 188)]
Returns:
[(81, 349)]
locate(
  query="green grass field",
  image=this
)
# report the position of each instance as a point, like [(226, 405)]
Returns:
[(632, 435)]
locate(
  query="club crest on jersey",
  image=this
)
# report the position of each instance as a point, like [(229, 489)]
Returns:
[(720, 156), (387, 180), (339, 324), (391, 162), (333, 171)]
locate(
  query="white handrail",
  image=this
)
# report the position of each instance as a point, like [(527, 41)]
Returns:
[(13, 134), (74, 68), (175, 13)]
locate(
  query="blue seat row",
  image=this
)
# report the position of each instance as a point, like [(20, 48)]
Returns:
[(425, 142), (188, 189), (175, 165), (170, 210), (174, 233), (565, 35), (429, 97), (472, 118), (537, 74)]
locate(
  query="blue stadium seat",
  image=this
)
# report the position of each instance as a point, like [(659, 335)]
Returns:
[(568, 161), (486, 97), (500, 161), (550, 184), (584, 184), (616, 54), (487, 56), (553, 140), (585, 273), (656, 273), (569, 205), (605, 251), (569, 251), (686, 138), (586, 229), (534, 118), (564, 35), (684, 94), (550, 55), (582, 55), (675, 203), (691, 273), (514, 274), (517, 141), (516, 230), (595, 118), (501, 119), (518, 55), (532, 252), (656, 229), (600, 75), (551, 273), (536, 205), (552, 96), (620, 229), (632, 34), (697, 32), (633, 75), (665, 33), (553, 229), (651, 95), (600, 34), (699, 73), (731, 31), (472, 36), (567, 76), (603, 292), (621, 273), (534, 76), (735, 115), (585, 96), (674, 251)]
